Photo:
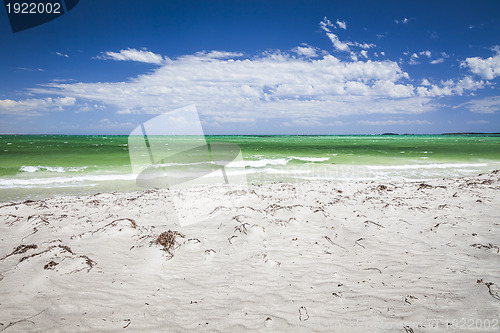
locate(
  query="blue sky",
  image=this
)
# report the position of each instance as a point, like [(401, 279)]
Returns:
[(256, 67)]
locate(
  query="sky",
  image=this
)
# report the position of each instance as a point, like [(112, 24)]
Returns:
[(256, 67)]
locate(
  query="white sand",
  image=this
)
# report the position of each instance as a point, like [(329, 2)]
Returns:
[(316, 256)]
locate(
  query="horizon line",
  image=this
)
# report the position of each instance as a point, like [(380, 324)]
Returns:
[(386, 134)]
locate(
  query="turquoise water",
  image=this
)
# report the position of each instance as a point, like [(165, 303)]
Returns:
[(36, 166)]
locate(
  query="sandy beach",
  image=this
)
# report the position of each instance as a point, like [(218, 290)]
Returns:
[(312, 256)]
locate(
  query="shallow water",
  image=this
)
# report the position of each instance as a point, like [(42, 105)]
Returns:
[(36, 166)]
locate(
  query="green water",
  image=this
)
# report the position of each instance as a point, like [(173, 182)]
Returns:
[(33, 166), (369, 149), (93, 152)]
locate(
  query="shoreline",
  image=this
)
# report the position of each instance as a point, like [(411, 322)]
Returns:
[(20, 189), (265, 135), (318, 255)]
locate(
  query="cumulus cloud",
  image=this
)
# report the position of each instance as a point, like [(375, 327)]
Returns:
[(268, 86), (428, 54), (325, 25), (415, 56), (306, 51), (35, 106), (425, 82), (311, 122), (402, 21), (487, 105), (487, 69), (108, 124), (89, 108), (219, 54), (337, 43), (341, 24), (361, 45), (134, 55), (304, 83), (226, 86), (413, 59), (449, 87), (62, 55), (393, 122)]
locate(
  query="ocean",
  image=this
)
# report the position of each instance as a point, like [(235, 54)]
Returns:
[(40, 166)]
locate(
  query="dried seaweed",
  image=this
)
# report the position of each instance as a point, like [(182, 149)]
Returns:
[(21, 249), (167, 240)]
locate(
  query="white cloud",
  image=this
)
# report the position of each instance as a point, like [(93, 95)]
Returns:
[(305, 82), (337, 44), (415, 56), (311, 122), (233, 120), (106, 123), (413, 59), (341, 24), (487, 105), (326, 24), (30, 69), (62, 55), (89, 108), (219, 54), (225, 86), (361, 45), (393, 122), (437, 61), (449, 87), (306, 51), (34, 106), (134, 55), (425, 54), (403, 21), (269, 86), (487, 69), (428, 54)]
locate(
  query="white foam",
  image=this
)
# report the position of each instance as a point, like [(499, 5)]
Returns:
[(277, 161), (258, 164), (160, 165), (310, 159), (58, 181), (32, 168), (29, 168)]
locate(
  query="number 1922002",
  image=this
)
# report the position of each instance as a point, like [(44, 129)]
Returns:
[(33, 8)]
